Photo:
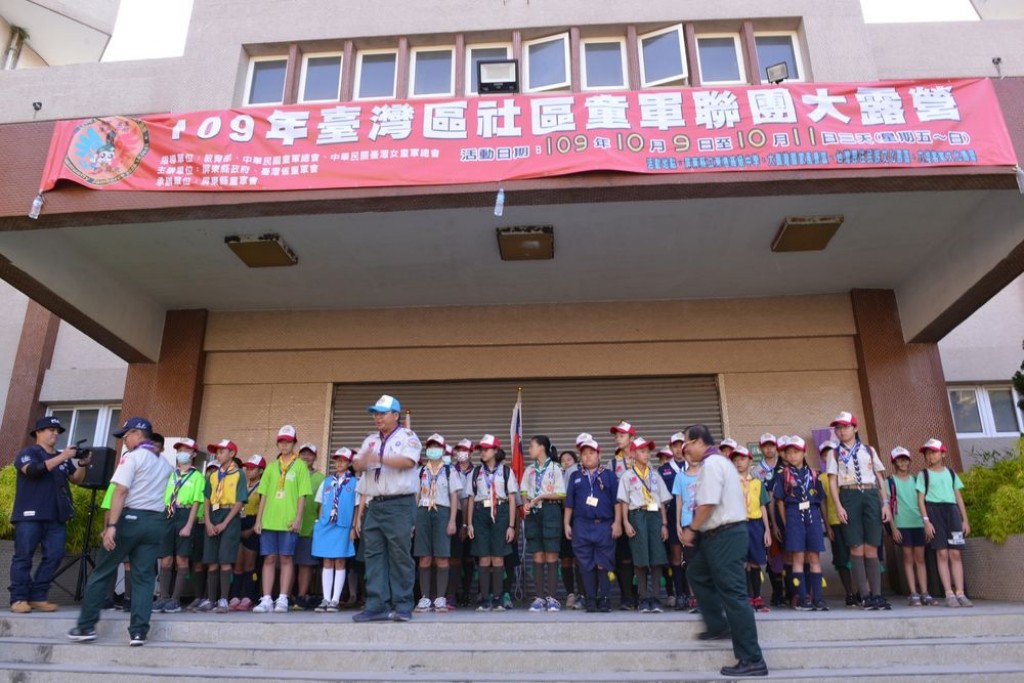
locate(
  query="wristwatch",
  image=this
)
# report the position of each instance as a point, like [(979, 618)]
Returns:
[(111, 525)]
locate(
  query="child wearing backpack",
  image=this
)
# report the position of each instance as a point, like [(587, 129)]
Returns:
[(908, 527), (491, 515), (945, 520), (798, 495)]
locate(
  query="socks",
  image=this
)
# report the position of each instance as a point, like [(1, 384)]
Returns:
[(874, 574), (569, 578), (485, 583), (641, 582), (425, 582), (339, 584), (787, 572), (815, 587), (199, 583), (327, 583), (179, 584), (498, 580), (552, 579), (847, 580), (657, 575), (540, 574), (625, 575), (755, 582), (165, 582), (442, 581), (225, 584), (212, 583), (800, 585), (860, 579)]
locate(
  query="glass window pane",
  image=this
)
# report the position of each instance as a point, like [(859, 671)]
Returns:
[(663, 57), (323, 78), (115, 422), (604, 64), (433, 73), (377, 76), (719, 61), (1004, 413), (966, 417), (267, 81), (65, 417), (775, 49), (547, 64), (85, 426), (482, 54)]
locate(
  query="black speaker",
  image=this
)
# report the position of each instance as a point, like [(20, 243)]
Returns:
[(100, 469)]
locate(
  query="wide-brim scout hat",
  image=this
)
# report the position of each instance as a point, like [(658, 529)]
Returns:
[(933, 445), (47, 423)]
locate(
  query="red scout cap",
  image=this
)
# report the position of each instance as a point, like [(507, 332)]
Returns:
[(488, 441), (187, 443), (741, 450), (640, 442), (223, 443), (342, 454), (795, 442), (933, 445), (844, 419), (623, 428), (256, 461)]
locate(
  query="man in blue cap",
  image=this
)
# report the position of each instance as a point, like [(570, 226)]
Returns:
[(42, 508), (136, 526), (388, 459)]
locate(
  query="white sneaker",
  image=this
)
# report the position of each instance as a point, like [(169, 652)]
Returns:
[(441, 604), (324, 604), (423, 605), (266, 604), (222, 606), (553, 605), (281, 604), (570, 601), (538, 605), (332, 606)]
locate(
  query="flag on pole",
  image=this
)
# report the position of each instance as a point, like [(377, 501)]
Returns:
[(516, 436)]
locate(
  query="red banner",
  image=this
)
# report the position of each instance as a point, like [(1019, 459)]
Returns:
[(906, 124)]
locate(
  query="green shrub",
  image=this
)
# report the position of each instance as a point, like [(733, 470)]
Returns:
[(994, 497), (81, 500)]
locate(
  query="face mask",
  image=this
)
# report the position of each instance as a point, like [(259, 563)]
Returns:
[(447, 460), (435, 453), (463, 457), (184, 458)]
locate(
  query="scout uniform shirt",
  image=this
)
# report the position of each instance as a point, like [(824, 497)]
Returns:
[(436, 489), (755, 495), (718, 484), (854, 466), (109, 495), (282, 485), (493, 488), (642, 491), (144, 473), (620, 462), (382, 480), (316, 480), (184, 490), (225, 487), (591, 495), (252, 503), (465, 482), (542, 481)]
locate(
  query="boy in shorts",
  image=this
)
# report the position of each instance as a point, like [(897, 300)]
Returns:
[(184, 495), (226, 492), (642, 496)]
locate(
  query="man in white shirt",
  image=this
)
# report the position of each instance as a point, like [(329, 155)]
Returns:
[(716, 572)]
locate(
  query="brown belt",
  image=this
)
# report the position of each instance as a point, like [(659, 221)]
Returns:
[(859, 487)]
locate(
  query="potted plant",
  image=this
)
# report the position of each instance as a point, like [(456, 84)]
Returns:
[(994, 554)]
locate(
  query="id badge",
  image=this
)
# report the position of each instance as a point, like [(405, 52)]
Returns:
[(280, 495), (805, 505), (487, 503), (592, 501), (652, 507), (215, 507), (957, 538)]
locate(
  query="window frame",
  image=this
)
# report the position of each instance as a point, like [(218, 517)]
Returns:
[(412, 70), (685, 76), (468, 55), (583, 63), (567, 83), (252, 72), (737, 44), (988, 423), (101, 436), (358, 78), (798, 58), (305, 64)]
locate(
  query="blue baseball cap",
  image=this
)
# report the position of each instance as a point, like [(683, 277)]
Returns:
[(133, 423), (47, 423), (386, 404)]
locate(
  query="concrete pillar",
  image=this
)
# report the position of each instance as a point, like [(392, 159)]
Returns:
[(170, 391)]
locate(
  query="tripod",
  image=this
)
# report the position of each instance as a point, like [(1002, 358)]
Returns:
[(84, 557)]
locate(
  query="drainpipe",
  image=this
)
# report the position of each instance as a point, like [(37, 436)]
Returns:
[(14, 45)]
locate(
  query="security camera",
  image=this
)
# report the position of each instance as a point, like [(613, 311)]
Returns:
[(37, 106)]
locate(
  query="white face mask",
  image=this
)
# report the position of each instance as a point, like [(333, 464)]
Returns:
[(463, 456), (446, 459), (184, 457)]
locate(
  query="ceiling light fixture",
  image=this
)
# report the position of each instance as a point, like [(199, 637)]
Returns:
[(526, 243), (261, 251), (806, 233)]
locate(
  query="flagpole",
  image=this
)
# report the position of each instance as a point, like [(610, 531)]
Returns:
[(519, 590)]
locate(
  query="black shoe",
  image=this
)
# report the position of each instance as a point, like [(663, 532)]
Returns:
[(604, 605), (870, 603), (708, 635), (851, 600), (803, 606), (820, 606), (591, 605), (366, 616), (743, 668), (81, 635), (881, 603), (401, 615), (137, 639)]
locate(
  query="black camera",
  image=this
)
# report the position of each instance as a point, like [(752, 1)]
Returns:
[(82, 452)]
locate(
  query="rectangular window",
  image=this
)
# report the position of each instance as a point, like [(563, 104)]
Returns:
[(604, 64), (92, 423), (774, 48), (1003, 404), (662, 57), (321, 78), (986, 410), (433, 72), (482, 53), (265, 82), (376, 74), (966, 415), (547, 63), (720, 59)]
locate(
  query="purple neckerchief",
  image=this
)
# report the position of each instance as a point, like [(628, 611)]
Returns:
[(712, 450), (150, 446)]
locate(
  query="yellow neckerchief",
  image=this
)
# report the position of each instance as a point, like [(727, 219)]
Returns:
[(284, 469), (222, 474), (745, 482), (645, 486)]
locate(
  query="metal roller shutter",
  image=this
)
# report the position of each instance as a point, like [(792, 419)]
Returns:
[(559, 408)]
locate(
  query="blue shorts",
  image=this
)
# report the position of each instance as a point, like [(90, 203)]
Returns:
[(804, 533), (756, 552), (913, 537), (278, 543)]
